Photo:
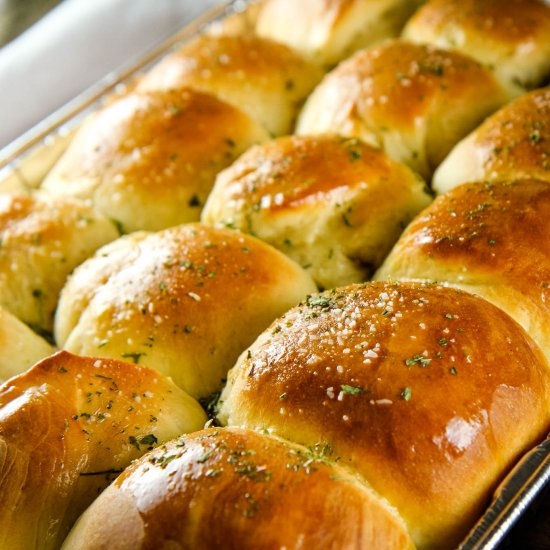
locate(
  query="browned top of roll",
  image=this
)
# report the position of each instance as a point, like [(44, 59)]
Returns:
[(492, 232), (231, 488), (262, 77), (513, 22), (149, 159), (429, 392), (296, 170), (67, 427), (515, 141), (186, 300), (405, 89)]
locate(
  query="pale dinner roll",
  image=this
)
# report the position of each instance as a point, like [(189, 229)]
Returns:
[(21, 347), (68, 426), (42, 241), (330, 30), (430, 393), (511, 37), (186, 300), (237, 489), (513, 143), (492, 239), (415, 102), (149, 159), (334, 205), (265, 79)]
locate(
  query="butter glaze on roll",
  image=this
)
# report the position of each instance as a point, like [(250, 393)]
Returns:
[(42, 241), (21, 347), (330, 30), (149, 159), (512, 37), (430, 393), (414, 102), (67, 427), (265, 79), (511, 144), (237, 489), (332, 204), (492, 239), (186, 301)]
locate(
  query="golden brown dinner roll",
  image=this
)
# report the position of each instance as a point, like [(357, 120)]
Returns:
[(68, 426), (186, 300), (149, 159), (430, 393), (42, 241), (21, 347), (415, 102), (491, 239), (330, 30), (511, 144), (265, 79), (237, 489), (511, 37), (334, 205)]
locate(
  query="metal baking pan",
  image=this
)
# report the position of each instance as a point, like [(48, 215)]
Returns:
[(25, 162)]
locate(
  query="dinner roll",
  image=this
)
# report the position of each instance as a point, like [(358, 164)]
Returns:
[(186, 300), (21, 347), (415, 102), (491, 239), (42, 241), (430, 393), (511, 144), (511, 37), (330, 30), (237, 489), (334, 205), (68, 426), (265, 79), (149, 159)]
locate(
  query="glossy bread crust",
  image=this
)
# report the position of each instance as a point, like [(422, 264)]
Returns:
[(512, 37), (334, 205), (149, 159), (186, 301), (414, 102), (424, 390), (492, 239), (513, 143), (237, 489), (68, 426), (261, 77)]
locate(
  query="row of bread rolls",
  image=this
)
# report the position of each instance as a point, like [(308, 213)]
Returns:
[(188, 300), (400, 407)]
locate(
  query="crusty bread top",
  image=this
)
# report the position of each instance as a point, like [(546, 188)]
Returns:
[(263, 78), (512, 37), (186, 301), (415, 102), (237, 489), (511, 144), (67, 427), (491, 238), (335, 205), (150, 159), (425, 390)]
